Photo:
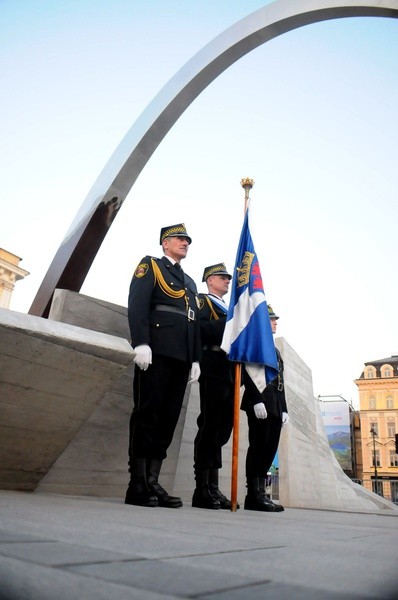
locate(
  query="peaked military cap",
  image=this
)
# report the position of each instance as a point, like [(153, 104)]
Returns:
[(218, 269), (178, 230), (271, 313)]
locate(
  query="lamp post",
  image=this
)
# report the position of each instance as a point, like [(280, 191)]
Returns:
[(374, 434)]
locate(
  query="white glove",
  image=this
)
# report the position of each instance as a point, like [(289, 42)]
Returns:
[(260, 411), (285, 419), (195, 372), (143, 356)]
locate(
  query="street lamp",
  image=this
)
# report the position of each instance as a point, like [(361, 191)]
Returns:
[(374, 434)]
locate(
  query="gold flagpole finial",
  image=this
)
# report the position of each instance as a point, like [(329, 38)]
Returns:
[(247, 185)]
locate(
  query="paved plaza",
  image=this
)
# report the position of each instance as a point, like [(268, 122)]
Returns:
[(56, 547)]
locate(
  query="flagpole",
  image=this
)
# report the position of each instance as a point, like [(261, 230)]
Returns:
[(247, 185)]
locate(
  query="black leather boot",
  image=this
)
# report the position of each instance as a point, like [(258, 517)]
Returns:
[(202, 498), (255, 499), (261, 487), (215, 491), (138, 492), (153, 470)]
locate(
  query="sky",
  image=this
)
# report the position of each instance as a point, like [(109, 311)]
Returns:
[(310, 116)]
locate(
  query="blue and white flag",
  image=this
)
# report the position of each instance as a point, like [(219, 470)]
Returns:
[(248, 335)]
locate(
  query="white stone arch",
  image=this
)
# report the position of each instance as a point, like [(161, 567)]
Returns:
[(97, 212)]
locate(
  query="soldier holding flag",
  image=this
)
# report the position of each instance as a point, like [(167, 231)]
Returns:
[(216, 386), (248, 340)]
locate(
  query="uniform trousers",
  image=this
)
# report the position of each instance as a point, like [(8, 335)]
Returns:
[(158, 397), (264, 437), (215, 422)]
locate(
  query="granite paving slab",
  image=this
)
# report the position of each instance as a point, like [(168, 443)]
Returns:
[(59, 553), (81, 548), (159, 575), (27, 581)]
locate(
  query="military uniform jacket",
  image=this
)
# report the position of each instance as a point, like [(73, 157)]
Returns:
[(161, 299), (212, 321), (273, 396)]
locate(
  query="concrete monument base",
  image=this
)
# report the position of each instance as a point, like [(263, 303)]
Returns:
[(53, 376), (310, 475), (66, 399)]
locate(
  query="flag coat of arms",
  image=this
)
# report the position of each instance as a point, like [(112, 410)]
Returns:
[(248, 335)]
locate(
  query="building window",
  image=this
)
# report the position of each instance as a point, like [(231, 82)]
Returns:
[(377, 487), (374, 426), (393, 459), (386, 371), (372, 403), (394, 492), (377, 458), (391, 429), (390, 402), (370, 373)]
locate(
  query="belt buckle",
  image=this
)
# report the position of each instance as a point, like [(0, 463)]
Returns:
[(191, 314)]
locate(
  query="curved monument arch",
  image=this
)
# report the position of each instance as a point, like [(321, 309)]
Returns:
[(77, 251)]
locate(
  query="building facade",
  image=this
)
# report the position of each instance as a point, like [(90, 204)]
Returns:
[(10, 272), (378, 401)]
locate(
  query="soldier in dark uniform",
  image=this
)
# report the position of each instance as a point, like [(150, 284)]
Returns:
[(266, 415), (165, 334), (216, 383)]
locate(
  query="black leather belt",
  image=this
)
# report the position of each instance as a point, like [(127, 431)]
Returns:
[(190, 314), (214, 348)]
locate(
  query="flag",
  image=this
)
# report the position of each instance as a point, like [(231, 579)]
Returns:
[(248, 335)]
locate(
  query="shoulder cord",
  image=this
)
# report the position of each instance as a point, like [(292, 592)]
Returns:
[(213, 312), (166, 289), (280, 381)]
